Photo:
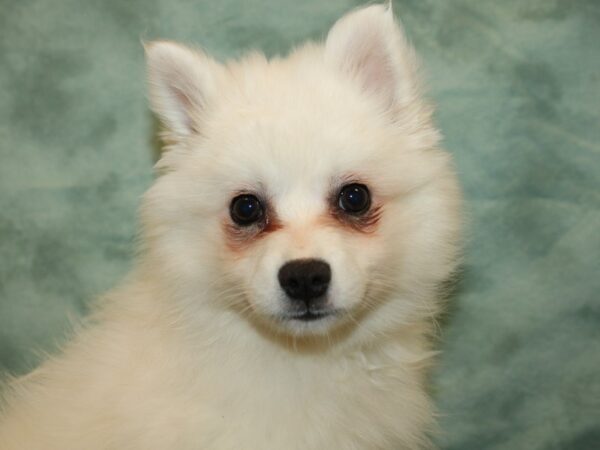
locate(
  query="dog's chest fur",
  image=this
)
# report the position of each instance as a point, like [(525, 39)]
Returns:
[(271, 398), (160, 392)]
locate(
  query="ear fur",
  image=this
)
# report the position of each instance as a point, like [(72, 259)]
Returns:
[(181, 84), (369, 45)]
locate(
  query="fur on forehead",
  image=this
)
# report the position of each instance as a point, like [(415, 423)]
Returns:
[(355, 96)]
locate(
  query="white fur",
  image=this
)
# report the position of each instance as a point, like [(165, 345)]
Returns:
[(186, 354)]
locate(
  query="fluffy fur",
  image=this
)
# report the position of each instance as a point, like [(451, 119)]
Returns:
[(191, 351)]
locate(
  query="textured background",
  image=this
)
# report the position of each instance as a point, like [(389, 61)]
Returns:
[(518, 88)]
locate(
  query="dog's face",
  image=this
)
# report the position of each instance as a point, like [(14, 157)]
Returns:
[(305, 192)]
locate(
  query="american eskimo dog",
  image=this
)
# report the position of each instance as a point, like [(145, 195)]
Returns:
[(293, 249)]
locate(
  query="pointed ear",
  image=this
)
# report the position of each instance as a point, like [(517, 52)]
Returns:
[(369, 45), (181, 84)]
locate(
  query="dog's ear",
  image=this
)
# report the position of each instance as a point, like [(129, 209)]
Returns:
[(369, 45), (181, 84)]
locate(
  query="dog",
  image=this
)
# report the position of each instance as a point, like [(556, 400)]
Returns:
[(294, 250)]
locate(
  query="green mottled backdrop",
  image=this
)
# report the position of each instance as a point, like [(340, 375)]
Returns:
[(518, 88)]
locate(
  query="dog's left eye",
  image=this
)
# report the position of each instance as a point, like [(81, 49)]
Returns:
[(245, 210), (354, 199)]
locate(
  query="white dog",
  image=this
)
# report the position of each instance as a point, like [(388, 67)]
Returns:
[(293, 251)]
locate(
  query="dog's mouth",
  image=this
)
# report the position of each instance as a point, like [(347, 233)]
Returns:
[(309, 315)]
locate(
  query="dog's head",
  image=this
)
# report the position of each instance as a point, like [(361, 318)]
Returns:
[(307, 192)]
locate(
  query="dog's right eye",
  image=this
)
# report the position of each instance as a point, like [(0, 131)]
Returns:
[(245, 210)]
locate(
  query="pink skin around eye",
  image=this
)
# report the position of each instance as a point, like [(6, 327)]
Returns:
[(239, 238), (365, 223)]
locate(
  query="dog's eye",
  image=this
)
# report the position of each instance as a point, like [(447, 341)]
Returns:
[(354, 199), (245, 210)]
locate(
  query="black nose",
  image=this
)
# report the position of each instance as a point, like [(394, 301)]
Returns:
[(305, 279)]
